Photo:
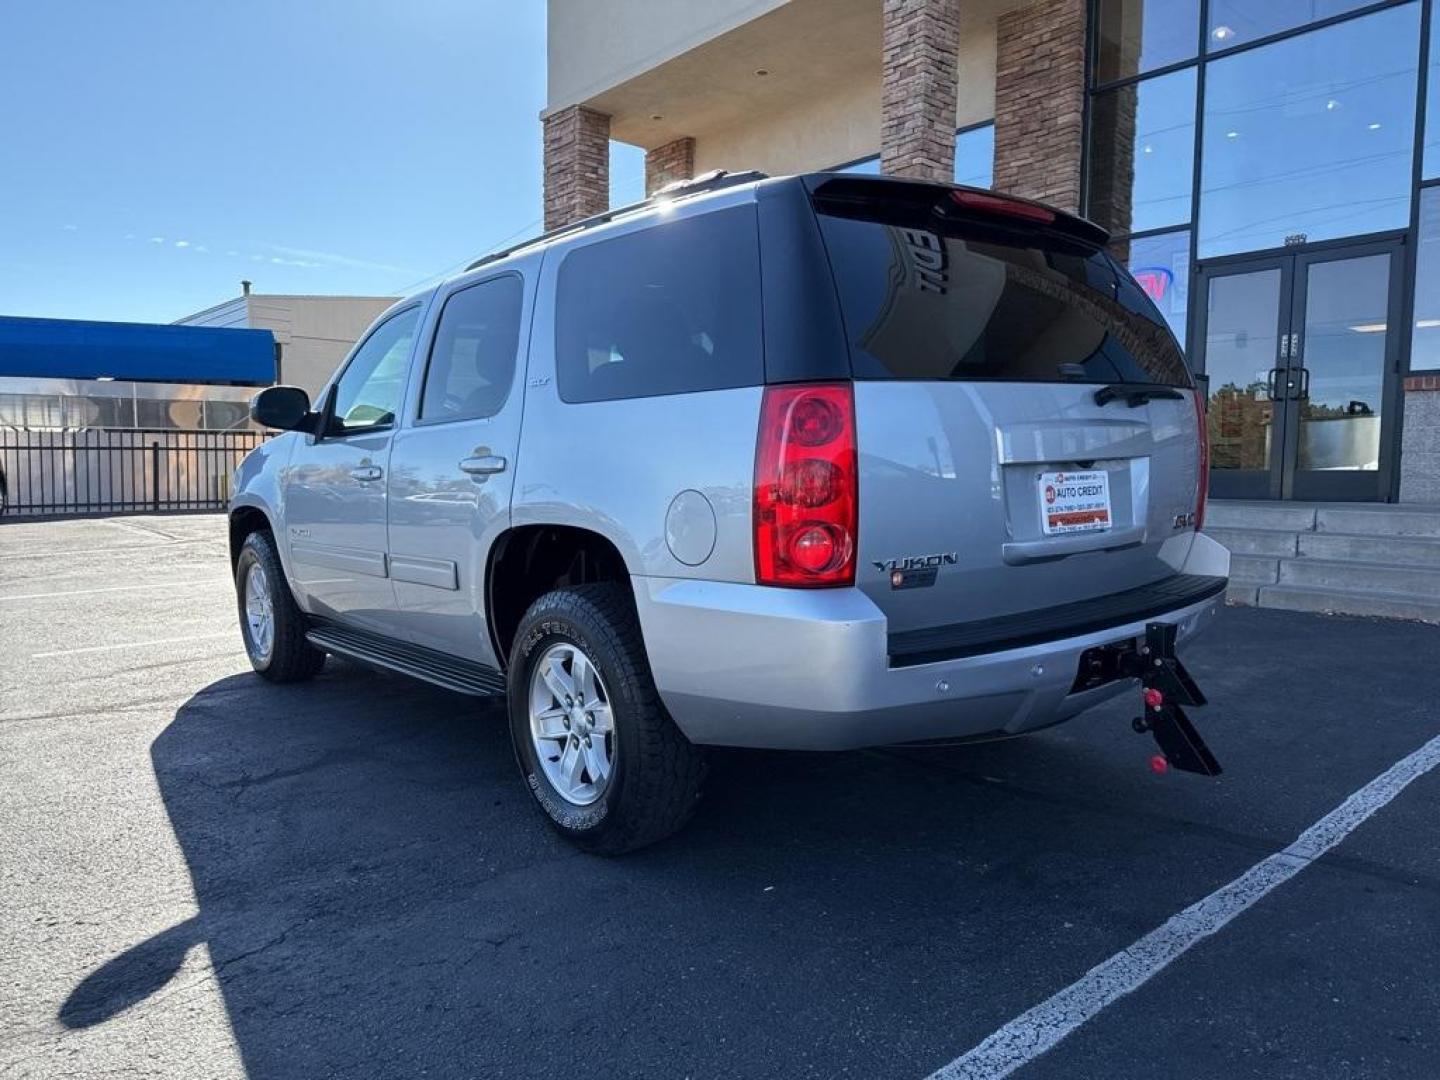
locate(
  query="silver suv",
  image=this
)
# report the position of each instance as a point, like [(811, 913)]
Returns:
[(809, 462)]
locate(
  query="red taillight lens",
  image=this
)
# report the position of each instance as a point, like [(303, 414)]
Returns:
[(998, 204), (1204, 470), (806, 487)]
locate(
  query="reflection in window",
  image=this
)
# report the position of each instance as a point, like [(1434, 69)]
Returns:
[(1430, 161), (1135, 36), (1425, 345), (1311, 137), (1234, 22), (1142, 153), (627, 174), (1161, 264), (975, 156)]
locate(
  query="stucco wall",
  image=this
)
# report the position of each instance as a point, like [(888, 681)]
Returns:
[(595, 44)]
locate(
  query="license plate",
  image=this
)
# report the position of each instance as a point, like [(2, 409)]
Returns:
[(1073, 502)]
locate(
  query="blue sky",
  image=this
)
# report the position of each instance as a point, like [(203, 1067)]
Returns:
[(155, 152)]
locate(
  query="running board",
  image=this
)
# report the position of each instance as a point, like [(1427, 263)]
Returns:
[(442, 669)]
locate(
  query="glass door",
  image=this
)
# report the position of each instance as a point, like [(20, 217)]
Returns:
[(1342, 351), (1241, 324), (1300, 353)]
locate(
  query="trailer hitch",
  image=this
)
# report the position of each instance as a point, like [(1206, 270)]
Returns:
[(1165, 687)]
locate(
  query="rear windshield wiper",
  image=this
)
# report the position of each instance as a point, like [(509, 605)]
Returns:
[(1134, 394)]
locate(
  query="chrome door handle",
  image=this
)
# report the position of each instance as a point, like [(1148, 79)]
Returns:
[(482, 466), (367, 472)]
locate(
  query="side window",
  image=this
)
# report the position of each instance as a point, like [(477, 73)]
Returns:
[(671, 309), (472, 361), (368, 393)]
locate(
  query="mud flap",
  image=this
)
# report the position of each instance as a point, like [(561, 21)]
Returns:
[(1165, 688)]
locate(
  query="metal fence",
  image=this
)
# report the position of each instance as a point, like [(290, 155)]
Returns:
[(115, 471)]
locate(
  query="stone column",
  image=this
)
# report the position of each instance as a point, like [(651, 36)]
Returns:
[(577, 165), (666, 164), (1040, 101), (921, 41), (1420, 439)]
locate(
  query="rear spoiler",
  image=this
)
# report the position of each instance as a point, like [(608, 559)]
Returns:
[(899, 200)]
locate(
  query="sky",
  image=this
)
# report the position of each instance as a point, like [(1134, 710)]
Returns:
[(155, 152)]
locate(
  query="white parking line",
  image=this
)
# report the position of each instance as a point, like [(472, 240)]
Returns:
[(135, 645), (114, 588), (1036, 1031)]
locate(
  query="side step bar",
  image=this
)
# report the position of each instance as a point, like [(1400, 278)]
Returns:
[(451, 672)]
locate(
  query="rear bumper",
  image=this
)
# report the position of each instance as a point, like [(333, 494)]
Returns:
[(744, 665)]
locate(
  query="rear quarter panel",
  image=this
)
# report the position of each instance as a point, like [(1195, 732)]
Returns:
[(615, 467)]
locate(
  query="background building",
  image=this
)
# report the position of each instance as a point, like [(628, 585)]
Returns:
[(313, 333), (1270, 170)]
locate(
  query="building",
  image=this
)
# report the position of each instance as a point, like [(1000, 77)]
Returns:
[(74, 374), (1269, 169), (313, 333)]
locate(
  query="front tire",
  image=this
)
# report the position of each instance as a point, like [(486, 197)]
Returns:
[(597, 749), (271, 623)]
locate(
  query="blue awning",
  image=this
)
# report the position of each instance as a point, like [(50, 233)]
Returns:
[(138, 352)]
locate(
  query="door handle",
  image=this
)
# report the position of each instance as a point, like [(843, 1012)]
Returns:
[(367, 472), (482, 466), (1272, 383), (1304, 383)]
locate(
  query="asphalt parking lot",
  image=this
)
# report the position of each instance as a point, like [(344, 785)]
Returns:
[(205, 875)]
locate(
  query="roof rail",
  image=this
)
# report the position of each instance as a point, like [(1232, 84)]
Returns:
[(715, 180)]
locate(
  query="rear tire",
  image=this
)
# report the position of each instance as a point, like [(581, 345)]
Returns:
[(637, 779), (271, 624)]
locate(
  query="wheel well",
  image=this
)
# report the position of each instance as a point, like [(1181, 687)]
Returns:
[(244, 521), (529, 561)]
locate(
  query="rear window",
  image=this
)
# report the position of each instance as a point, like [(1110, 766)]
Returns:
[(928, 297), (671, 309)]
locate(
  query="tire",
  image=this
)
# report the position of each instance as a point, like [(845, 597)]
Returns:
[(655, 773), (289, 657)]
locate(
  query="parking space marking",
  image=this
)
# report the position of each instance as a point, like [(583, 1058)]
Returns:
[(132, 645), (113, 549), (1039, 1029), (112, 588)]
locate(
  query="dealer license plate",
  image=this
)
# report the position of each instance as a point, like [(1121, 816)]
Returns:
[(1072, 502)]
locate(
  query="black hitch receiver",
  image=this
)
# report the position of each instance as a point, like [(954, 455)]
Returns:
[(1166, 686)]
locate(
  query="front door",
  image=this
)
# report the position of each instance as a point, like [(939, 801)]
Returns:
[(1300, 353), (334, 486)]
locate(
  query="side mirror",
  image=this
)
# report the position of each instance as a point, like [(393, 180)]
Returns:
[(286, 408)]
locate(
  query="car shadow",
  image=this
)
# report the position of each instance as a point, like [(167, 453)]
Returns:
[(378, 896)]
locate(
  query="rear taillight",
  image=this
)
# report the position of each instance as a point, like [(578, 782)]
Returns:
[(806, 490), (999, 204), (1204, 470)]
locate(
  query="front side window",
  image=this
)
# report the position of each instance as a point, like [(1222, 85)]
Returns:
[(368, 393), (472, 362), (670, 309), (1311, 138)]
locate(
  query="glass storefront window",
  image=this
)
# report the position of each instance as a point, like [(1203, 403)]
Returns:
[(1234, 22), (1425, 342), (1161, 264), (1136, 36), (869, 166), (1430, 161), (1311, 137), (975, 156), (1142, 153)]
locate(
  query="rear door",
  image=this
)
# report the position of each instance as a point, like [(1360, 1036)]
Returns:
[(452, 466), (1027, 430)]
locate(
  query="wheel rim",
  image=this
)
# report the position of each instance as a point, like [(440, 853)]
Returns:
[(259, 612), (572, 727)]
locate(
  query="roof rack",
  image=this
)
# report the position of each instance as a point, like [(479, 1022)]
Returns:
[(715, 180)]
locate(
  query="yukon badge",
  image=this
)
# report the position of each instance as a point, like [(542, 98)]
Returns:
[(915, 571)]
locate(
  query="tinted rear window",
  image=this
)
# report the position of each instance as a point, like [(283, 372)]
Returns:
[(671, 309), (928, 298)]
